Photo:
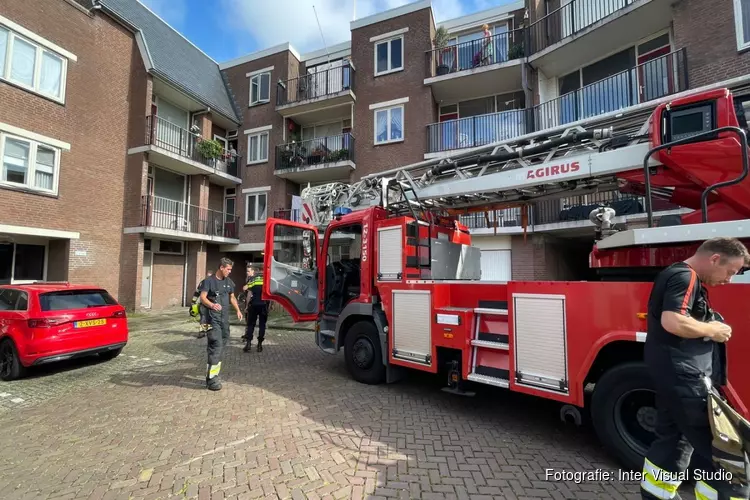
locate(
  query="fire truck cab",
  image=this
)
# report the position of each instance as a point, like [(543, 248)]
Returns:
[(403, 290)]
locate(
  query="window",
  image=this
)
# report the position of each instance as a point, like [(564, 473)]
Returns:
[(13, 300), (256, 208), (257, 148), (389, 125), (31, 66), (260, 88), (28, 164), (75, 299), (741, 22), (169, 246), (229, 209), (22, 262), (389, 56)]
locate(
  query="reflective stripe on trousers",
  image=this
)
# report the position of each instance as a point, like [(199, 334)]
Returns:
[(659, 482), (213, 370), (705, 492)]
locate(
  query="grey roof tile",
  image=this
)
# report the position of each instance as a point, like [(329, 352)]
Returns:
[(175, 59)]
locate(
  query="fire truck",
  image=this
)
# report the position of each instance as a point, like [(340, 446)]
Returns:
[(413, 298)]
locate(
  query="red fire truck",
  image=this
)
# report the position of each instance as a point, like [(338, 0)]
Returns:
[(412, 298)]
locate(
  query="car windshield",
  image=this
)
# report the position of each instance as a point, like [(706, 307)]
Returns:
[(75, 299)]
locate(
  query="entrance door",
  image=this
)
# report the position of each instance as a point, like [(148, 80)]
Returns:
[(148, 261), (655, 74), (291, 268)]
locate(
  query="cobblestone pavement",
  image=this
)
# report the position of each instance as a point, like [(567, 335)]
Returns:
[(289, 423)]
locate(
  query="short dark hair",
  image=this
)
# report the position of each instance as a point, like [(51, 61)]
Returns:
[(224, 262), (728, 248)]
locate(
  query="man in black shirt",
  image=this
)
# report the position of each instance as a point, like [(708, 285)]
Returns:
[(217, 292), (679, 352)]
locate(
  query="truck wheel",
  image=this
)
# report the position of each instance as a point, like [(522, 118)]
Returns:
[(623, 411), (364, 359)]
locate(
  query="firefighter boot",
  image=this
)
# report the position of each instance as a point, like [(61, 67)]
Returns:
[(260, 345), (213, 384), (247, 346)]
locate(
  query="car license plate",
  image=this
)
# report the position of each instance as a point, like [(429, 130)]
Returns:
[(90, 322)]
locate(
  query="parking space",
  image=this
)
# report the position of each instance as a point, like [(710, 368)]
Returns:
[(289, 423)]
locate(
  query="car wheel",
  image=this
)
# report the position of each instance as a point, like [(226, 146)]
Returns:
[(10, 364), (106, 356), (623, 411), (362, 351)]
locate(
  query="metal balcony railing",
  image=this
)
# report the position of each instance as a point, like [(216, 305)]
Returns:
[(462, 56), (322, 83), (645, 82), (314, 152), (170, 137), (654, 79), (566, 209), (164, 213), (571, 18), (475, 131)]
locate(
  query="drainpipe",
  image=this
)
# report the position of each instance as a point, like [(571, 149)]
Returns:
[(187, 244)]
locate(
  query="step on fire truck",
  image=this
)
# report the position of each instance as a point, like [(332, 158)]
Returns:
[(412, 298)]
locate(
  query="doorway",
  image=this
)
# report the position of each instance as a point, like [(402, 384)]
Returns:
[(148, 264)]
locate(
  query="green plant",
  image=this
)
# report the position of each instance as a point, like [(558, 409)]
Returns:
[(441, 38), (516, 51), (209, 148)]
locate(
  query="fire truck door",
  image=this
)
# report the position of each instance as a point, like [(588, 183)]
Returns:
[(291, 268)]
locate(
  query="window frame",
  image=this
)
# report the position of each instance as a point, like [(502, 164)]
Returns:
[(159, 251), (390, 68), (33, 148), (388, 110), (255, 195), (39, 50), (259, 78), (45, 263), (268, 147), (738, 28)]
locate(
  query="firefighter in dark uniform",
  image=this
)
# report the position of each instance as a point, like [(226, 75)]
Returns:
[(680, 352), (217, 292), (257, 309)]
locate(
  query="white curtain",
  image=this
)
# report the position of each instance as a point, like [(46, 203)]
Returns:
[(23, 61), (50, 78), (3, 47), (16, 161), (45, 168)]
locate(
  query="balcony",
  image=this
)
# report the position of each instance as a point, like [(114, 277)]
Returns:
[(657, 78), (476, 67), (180, 150), (323, 159), (475, 131), (654, 79), (569, 214), (550, 38), (328, 88), (175, 219)]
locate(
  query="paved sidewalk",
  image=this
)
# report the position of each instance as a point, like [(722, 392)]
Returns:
[(289, 423)]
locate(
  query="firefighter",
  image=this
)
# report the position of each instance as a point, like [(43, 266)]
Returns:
[(679, 353), (205, 321), (257, 309), (217, 292)]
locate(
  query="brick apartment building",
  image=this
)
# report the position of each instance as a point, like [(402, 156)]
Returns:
[(133, 160)]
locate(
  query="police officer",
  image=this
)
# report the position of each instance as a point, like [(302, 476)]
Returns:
[(257, 309), (679, 353), (217, 292)]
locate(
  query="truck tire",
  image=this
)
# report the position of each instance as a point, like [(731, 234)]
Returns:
[(364, 359), (623, 412)]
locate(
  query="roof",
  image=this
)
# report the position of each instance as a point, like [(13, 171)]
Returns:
[(175, 59)]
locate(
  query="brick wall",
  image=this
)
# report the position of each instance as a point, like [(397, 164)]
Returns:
[(418, 112), (167, 277), (94, 120), (216, 198), (706, 28), (259, 116)]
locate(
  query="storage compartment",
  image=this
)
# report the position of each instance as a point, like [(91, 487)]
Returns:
[(412, 336)]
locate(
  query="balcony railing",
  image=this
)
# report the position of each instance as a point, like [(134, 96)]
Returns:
[(568, 209), (313, 152), (654, 79), (323, 83), (645, 82), (571, 18), (498, 48), (164, 213), (287, 214), (170, 137), (475, 131)]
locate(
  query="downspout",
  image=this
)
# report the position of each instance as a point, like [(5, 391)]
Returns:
[(525, 66), (187, 245)]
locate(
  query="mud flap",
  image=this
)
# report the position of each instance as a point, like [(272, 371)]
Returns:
[(394, 373)]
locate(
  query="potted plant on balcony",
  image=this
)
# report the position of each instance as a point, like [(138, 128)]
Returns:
[(441, 44), (210, 149)]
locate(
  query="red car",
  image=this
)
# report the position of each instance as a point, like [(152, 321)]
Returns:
[(46, 322)]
